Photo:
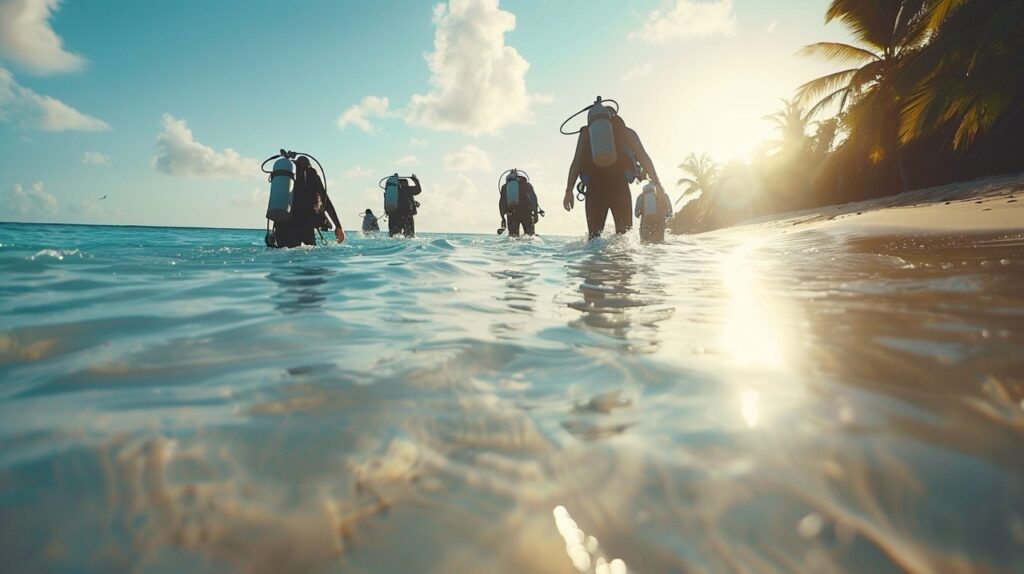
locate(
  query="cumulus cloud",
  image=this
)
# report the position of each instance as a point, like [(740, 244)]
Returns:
[(469, 158), (688, 20), (27, 39), (95, 158), (417, 142), (33, 201), (179, 154), (479, 83), (360, 114), (28, 109), (407, 161)]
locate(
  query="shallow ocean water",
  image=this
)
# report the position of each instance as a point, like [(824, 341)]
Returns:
[(753, 400)]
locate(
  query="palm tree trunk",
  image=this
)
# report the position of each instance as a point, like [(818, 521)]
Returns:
[(904, 181)]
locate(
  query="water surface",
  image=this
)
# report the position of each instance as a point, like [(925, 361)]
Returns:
[(751, 400)]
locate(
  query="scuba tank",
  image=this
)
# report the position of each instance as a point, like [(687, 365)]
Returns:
[(512, 189), (513, 194), (603, 148), (282, 180), (649, 206), (391, 194), (602, 135)]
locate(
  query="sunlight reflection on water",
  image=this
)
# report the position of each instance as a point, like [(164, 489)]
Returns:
[(740, 401)]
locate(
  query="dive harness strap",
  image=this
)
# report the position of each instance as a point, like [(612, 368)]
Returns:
[(278, 172)]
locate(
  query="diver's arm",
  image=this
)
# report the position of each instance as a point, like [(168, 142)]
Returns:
[(574, 173), (418, 187), (642, 157), (329, 208)]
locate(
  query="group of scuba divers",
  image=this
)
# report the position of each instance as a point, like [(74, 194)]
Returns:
[(609, 156)]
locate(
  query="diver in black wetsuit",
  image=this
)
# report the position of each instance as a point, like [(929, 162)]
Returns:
[(401, 220), (607, 188), (370, 224), (310, 209), (525, 211)]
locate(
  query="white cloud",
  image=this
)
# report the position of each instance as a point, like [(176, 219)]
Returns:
[(469, 158), (358, 171), (27, 39), (637, 72), (33, 201), (21, 105), (95, 158), (771, 26), (688, 20), (479, 83), (255, 198), (407, 161), (179, 154), (458, 204), (418, 142), (359, 115)]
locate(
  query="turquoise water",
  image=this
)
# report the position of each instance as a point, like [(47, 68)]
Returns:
[(757, 400)]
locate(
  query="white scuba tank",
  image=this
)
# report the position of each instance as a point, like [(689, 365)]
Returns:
[(602, 135), (282, 179), (512, 189), (649, 205), (391, 194)]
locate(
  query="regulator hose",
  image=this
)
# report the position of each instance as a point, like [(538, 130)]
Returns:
[(561, 128)]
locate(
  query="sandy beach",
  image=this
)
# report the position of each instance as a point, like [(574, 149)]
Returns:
[(986, 205)]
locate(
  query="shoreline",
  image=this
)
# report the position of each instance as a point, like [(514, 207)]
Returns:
[(984, 205)]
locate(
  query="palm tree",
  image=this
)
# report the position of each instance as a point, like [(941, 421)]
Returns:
[(791, 122), (701, 171), (887, 31), (969, 75)]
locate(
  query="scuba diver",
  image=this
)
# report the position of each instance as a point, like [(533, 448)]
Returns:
[(370, 224), (654, 210), (399, 205), (609, 156), (298, 205), (517, 203)]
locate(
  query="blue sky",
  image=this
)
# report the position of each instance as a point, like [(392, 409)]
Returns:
[(168, 108)]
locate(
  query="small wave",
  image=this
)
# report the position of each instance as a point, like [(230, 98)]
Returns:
[(58, 254)]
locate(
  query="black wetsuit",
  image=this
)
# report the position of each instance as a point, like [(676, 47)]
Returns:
[(607, 189), (300, 228), (370, 224), (524, 214), (402, 219)]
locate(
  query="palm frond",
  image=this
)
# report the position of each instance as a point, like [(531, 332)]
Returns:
[(838, 52), (814, 89)]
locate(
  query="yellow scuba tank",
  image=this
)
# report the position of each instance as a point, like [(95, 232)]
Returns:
[(602, 135)]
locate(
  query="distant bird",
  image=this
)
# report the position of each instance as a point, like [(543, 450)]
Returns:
[(102, 198)]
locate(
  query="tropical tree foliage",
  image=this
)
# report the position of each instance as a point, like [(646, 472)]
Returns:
[(700, 175), (969, 75), (887, 32), (791, 123), (928, 89)]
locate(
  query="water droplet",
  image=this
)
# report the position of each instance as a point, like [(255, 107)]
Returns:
[(810, 525)]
